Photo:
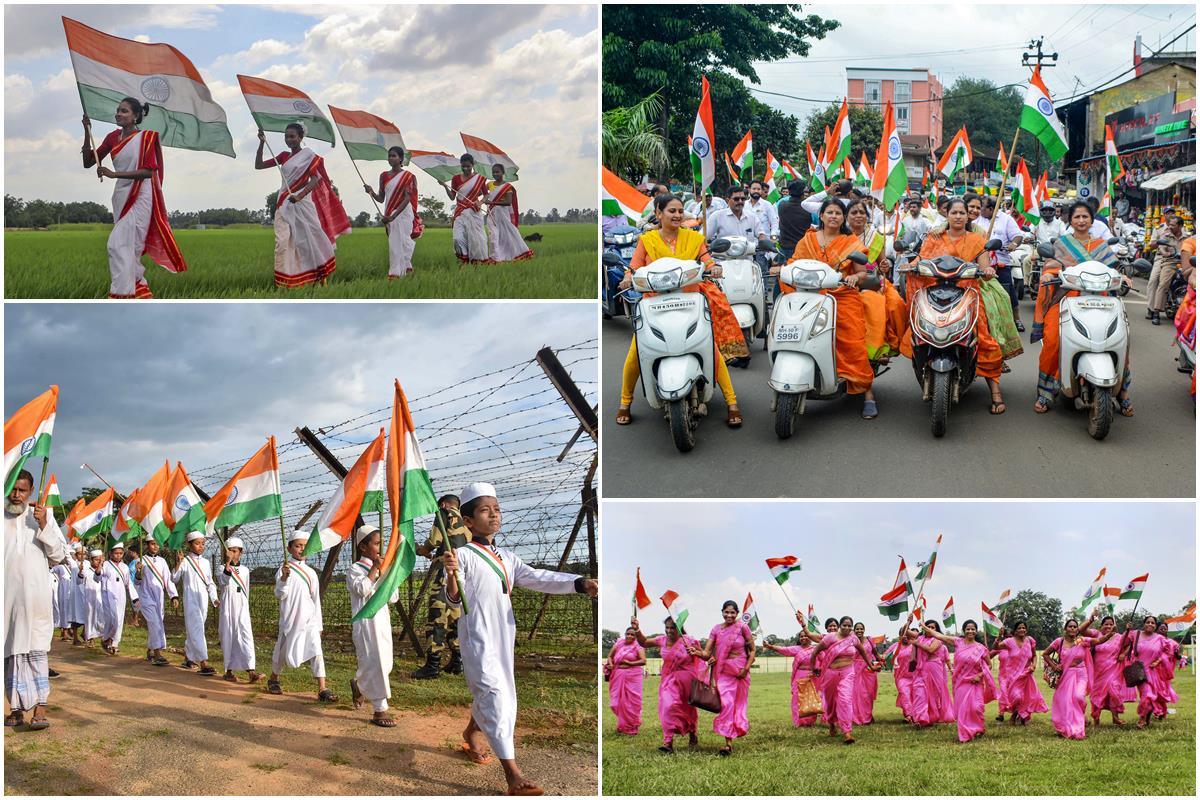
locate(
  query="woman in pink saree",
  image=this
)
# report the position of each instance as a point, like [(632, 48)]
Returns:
[(931, 699), (1071, 653), (624, 666), (837, 686), (802, 662), (866, 682), (730, 646), (679, 666), (1167, 665), (1018, 691), (973, 684), (1149, 647), (901, 652), (1108, 690)]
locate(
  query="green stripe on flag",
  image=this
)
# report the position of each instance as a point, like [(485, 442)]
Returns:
[(361, 151), (1033, 121), (174, 129), (401, 568), (417, 499), (193, 520), (372, 501), (317, 127), (260, 508), (40, 448)]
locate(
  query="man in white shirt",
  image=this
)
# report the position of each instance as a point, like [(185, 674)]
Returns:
[(768, 215), (735, 220)]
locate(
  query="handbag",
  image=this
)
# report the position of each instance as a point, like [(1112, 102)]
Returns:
[(1134, 672), (705, 695), (808, 702)]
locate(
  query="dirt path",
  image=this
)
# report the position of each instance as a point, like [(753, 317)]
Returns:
[(122, 726)]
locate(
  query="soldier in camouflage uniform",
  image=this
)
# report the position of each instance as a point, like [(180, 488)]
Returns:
[(441, 632)]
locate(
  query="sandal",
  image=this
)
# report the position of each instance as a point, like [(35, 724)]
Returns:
[(384, 721), (666, 748), (160, 662), (1004, 367), (207, 671), (1020, 326), (623, 415), (998, 408), (326, 696), (188, 663), (848, 739), (725, 751), (253, 677), (14, 719), (476, 757), (38, 724), (1126, 407), (229, 676), (355, 695), (273, 686), (734, 418), (1041, 406), (870, 409), (526, 789)]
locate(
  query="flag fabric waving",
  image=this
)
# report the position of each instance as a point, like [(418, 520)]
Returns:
[(274, 106), (1023, 193), (991, 623), (96, 517), (1001, 161), (360, 491), (1112, 160), (865, 173), (50, 494), (957, 155), (252, 494), (1093, 592), (184, 509), (749, 614), (640, 598), (703, 148), (436, 164), (27, 435), (1111, 595), (743, 154), (926, 571), (812, 623), (894, 603), (126, 525), (783, 567), (675, 609), (1005, 599), (1037, 117), (733, 175), (1133, 589), (182, 111), (793, 174), (621, 198), (772, 176), (838, 147), (488, 155), (948, 614), (366, 136), (890, 181), (1178, 627), (151, 508)]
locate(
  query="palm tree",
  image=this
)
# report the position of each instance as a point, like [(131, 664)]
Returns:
[(632, 142)]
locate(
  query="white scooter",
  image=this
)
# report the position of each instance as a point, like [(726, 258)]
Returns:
[(673, 331), (741, 280), (801, 340), (1093, 338)]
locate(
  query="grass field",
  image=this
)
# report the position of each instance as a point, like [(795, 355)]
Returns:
[(892, 758), (238, 263)]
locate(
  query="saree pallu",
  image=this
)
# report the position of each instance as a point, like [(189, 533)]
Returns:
[(625, 689), (470, 238), (504, 236), (400, 198), (970, 698), (678, 668), (305, 231)]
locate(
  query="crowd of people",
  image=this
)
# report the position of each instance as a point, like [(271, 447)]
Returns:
[(873, 325), (939, 679)]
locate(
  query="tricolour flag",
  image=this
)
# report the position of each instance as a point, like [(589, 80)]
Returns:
[(703, 148), (1023, 193), (27, 434), (894, 603), (1041, 192), (182, 111), (366, 136), (1001, 161), (126, 526), (1093, 592), (73, 515), (791, 171), (274, 106), (95, 518), (621, 198), (948, 614), (957, 155), (675, 609), (360, 491), (991, 622), (783, 567), (816, 170), (733, 175), (410, 497), (640, 598), (743, 154), (890, 181), (1037, 117), (926, 571), (772, 177), (1111, 595), (1112, 159), (252, 494), (1105, 207), (838, 149), (813, 624), (151, 509), (750, 614), (437, 165), (1133, 589), (183, 507), (865, 174), (1178, 627), (51, 496), (488, 155), (919, 609)]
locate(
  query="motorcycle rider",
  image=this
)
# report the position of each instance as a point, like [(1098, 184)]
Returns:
[(1166, 259)]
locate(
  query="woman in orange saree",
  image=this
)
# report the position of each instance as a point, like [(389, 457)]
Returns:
[(832, 243), (959, 241), (674, 241), (885, 309)]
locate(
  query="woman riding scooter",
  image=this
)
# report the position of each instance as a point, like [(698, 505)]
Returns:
[(672, 240)]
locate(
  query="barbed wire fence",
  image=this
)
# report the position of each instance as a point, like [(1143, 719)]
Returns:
[(509, 427)]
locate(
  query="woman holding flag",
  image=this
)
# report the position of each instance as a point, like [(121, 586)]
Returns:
[(1167, 665), (679, 666), (624, 670), (139, 211), (1071, 653), (973, 684), (837, 685), (903, 674), (1108, 690), (466, 191), (866, 682), (931, 699), (1019, 693), (802, 669), (730, 647), (503, 218), (398, 193)]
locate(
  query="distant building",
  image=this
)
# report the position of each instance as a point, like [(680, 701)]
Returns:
[(916, 96)]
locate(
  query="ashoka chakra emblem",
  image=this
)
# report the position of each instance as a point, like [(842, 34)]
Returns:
[(303, 106), (894, 148), (232, 496), (1044, 106), (700, 146), (27, 445), (156, 89), (182, 503)]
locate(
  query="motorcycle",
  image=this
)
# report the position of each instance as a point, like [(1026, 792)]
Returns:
[(942, 318), (619, 245), (1093, 338), (801, 340), (673, 331), (742, 282)]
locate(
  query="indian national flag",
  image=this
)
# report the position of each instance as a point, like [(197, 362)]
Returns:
[(1041, 192), (126, 526), (894, 603), (790, 170), (1001, 160), (360, 491), (1133, 589), (73, 515), (1111, 595), (1093, 592), (733, 175), (703, 149), (816, 170), (182, 111), (783, 567), (838, 141), (95, 518), (274, 106), (865, 174), (1112, 160), (957, 155), (183, 508), (750, 614), (1177, 627), (487, 155), (991, 622), (366, 136), (889, 181), (437, 165), (743, 154), (926, 571), (1023, 193), (621, 198), (812, 623), (51, 496), (410, 497), (1005, 598), (774, 173), (948, 614), (640, 598), (252, 494), (1105, 207), (27, 434), (675, 609), (153, 514), (1037, 117)]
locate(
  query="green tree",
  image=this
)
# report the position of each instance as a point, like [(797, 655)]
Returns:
[(990, 115), (362, 220), (631, 141), (866, 129), (1041, 614), (272, 201), (433, 209)]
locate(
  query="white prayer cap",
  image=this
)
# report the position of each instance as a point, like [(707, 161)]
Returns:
[(297, 534), (473, 491), (150, 538), (233, 542), (194, 535), (363, 533), (117, 546), (95, 554), (77, 546)]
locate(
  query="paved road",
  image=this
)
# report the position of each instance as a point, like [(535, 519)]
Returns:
[(835, 453)]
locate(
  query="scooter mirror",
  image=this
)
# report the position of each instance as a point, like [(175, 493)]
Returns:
[(1114, 240), (993, 245), (1045, 251), (870, 283), (858, 258), (766, 245), (1143, 265), (612, 259), (719, 245)]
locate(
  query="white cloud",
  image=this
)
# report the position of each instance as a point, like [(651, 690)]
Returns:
[(261, 51), (35, 30)]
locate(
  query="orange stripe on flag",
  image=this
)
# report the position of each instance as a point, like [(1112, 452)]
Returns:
[(475, 143), (266, 88), (262, 461), (178, 482), (140, 58), (430, 153), (394, 470), (361, 119), (21, 425), (355, 485)]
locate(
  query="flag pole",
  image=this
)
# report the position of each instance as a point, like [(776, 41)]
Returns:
[(462, 593), (1012, 154), (364, 180), (87, 129), (42, 482)]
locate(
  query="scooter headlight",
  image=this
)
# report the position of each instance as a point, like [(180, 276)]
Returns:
[(821, 323), (1095, 282), (943, 333), (664, 281), (806, 279)]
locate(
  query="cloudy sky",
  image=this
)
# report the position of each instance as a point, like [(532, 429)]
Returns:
[(521, 76), (712, 552), (1094, 43)]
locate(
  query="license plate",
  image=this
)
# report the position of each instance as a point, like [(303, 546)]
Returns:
[(788, 333), (1094, 303), (672, 305)]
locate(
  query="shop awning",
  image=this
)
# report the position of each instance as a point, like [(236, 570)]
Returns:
[(1169, 179)]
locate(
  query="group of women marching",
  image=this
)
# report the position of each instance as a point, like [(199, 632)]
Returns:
[(939, 678), (309, 216)]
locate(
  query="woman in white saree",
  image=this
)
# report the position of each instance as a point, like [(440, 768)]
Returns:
[(504, 238), (398, 193), (467, 190)]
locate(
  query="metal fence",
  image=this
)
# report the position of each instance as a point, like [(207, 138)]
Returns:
[(508, 427)]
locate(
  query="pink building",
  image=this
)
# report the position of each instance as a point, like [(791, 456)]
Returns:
[(916, 96)]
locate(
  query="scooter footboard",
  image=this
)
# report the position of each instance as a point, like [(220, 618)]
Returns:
[(675, 376), (1098, 369), (793, 373)]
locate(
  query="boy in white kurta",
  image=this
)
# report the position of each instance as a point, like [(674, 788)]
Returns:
[(116, 585), (66, 593), (233, 621), (79, 615), (93, 596), (372, 637), (487, 632), (155, 587), (55, 618), (298, 588), (194, 576)]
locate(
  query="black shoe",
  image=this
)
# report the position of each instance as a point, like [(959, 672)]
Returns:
[(454, 666), (53, 673), (1149, 314), (431, 669), (1155, 320)]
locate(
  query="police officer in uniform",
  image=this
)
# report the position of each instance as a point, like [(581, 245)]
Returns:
[(441, 631)]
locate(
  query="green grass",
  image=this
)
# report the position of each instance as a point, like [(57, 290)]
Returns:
[(238, 262), (891, 758)]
